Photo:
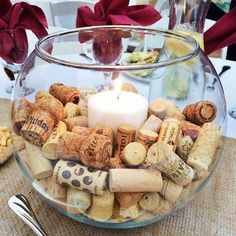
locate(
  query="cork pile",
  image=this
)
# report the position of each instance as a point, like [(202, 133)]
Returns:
[(115, 176)]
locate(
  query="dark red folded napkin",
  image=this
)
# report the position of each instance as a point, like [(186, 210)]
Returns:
[(14, 20), (108, 12), (222, 33)]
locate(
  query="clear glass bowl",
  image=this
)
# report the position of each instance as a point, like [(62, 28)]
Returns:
[(82, 68)]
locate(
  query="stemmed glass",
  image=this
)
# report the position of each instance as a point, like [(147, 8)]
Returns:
[(13, 53)]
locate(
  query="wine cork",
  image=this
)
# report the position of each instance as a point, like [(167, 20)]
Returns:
[(85, 92), (83, 106), (170, 190), (190, 129), (49, 147), (203, 150), (131, 212), (82, 130), (78, 199), (161, 156), (157, 108), (128, 87), (95, 151), (76, 121), (128, 199), (68, 146), (47, 111), (150, 202), (200, 112), (21, 111), (153, 123), (42, 94), (64, 93), (102, 206), (135, 180), (39, 166), (165, 207), (169, 132), (147, 138), (115, 163), (24, 159), (104, 130), (80, 177), (71, 110), (184, 147), (125, 135), (55, 190), (134, 154)]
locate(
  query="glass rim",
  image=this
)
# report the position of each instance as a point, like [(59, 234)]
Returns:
[(101, 67)]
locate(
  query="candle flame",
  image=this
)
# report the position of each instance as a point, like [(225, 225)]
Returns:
[(117, 85)]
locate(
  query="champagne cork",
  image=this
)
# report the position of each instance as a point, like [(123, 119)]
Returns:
[(169, 132), (104, 130), (21, 111), (125, 135), (95, 151), (39, 166), (76, 121), (131, 212), (64, 93), (78, 199), (170, 190), (200, 112), (150, 202), (135, 180), (157, 108), (81, 130), (55, 190), (80, 177), (161, 156), (102, 206), (147, 138), (190, 129), (203, 150), (47, 111), (68, 146), (128, 199), (71, 110), (49, 147), (153, 124), (184, 147), (134, 154)]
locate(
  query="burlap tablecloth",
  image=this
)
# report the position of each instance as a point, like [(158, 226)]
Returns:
[(212, 212)]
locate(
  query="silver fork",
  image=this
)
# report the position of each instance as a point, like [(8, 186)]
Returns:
[(20, 205)]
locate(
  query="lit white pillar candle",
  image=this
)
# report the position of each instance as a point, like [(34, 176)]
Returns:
[(112, 108)]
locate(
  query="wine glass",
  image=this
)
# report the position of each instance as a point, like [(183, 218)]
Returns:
[(13, 52)]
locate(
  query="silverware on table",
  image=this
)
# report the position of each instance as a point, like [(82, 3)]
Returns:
[(20, 205), (224, 69)]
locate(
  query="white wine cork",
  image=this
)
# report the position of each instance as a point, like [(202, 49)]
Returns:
[(102, 206), (134, 154), (76, 121), (82, 130), (49, 147), (40, 166), (169, 132), (78, 199), (150, 202), (131, 212), (146, 137), (165, 207), (153, 123), (184, 147), (24, 158), (135, 180), (157, 108), (128, 199), (54, 189), (203, 150), (71, 110), (125, 135), (161, 156), (170, 190), (80, 177)]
